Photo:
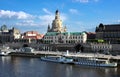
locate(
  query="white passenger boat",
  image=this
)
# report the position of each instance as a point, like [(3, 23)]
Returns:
[(91, 60), (4, 51), (59, 59), (94, 61), (81, 60)]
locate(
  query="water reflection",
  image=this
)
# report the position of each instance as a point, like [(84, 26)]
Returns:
[(69, 71), (5, 59), (34, 67)]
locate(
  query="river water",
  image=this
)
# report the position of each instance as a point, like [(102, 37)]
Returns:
[(34, 67)]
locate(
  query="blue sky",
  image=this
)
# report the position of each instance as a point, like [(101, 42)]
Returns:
[(77, 15)]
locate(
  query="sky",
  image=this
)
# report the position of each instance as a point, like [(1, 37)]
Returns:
[(76, 15)]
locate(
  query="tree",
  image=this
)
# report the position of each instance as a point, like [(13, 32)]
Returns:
[(79, 47), (25, 45)]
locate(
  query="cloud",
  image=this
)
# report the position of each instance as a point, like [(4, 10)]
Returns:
[(85, 1), (96, 0), (46, 19), (46, 11), (49, 17), (73, 11), (118, 21), (82, 1), (5, 14), (42, 20), (27, 23)]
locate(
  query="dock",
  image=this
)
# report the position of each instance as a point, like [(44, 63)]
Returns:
[(71, 53), (57, 53)]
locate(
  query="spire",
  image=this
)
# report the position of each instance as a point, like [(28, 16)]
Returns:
[(57, 11), (57, 14), (48, 28), (65, 28)]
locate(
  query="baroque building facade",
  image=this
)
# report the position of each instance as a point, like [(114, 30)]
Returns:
[(65, 37), (9, 35), (59, 35), (31, 35), (57, 24), (109, 33)]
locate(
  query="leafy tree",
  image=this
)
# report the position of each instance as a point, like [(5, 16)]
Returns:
[(25, 45), (79, 47)]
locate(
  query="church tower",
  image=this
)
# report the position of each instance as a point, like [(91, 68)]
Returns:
[(57, 24), (48, 30)]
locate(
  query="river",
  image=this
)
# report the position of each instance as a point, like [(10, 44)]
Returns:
[(34, 67)]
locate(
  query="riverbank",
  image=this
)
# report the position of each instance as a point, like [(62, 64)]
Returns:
[(39, 54), (62, 47)]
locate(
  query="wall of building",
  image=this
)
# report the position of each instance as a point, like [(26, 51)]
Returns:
[(109, 33), (65, 38)]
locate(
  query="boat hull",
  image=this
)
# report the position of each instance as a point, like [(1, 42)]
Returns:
[(4, 53), (97, 65), (58, 60), (51, 60)]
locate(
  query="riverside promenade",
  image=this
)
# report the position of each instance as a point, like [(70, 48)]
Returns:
[(78, 54), (117, 57), (42, 53)]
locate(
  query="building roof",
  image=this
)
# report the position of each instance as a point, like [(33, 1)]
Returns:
[(113, 27), (109, 27), (32, 32), (63, 33)]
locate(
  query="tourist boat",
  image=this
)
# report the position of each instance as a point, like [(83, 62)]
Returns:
[(59, 59), (81, 60), (4, 51), (94, 61), (91, 60)]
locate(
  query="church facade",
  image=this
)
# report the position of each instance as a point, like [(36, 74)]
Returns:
[(57, 24)]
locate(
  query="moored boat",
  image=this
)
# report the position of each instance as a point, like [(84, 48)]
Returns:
[(4, 51), (59, 59), (94, 61), (91, 60), (77, 59)]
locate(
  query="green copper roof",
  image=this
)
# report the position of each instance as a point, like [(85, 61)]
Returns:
[(63, 33), (51, 33)]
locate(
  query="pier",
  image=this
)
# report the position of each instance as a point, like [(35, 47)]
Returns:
[(42, 53)]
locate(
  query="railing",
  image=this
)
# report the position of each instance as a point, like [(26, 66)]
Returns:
[(79, 54)]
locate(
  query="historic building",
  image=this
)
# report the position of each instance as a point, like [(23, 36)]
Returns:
[(109, 33), (57, 24), (90, 36), (8, 35), (101, 47), (65, 37), (57, 34), (30, 37)]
